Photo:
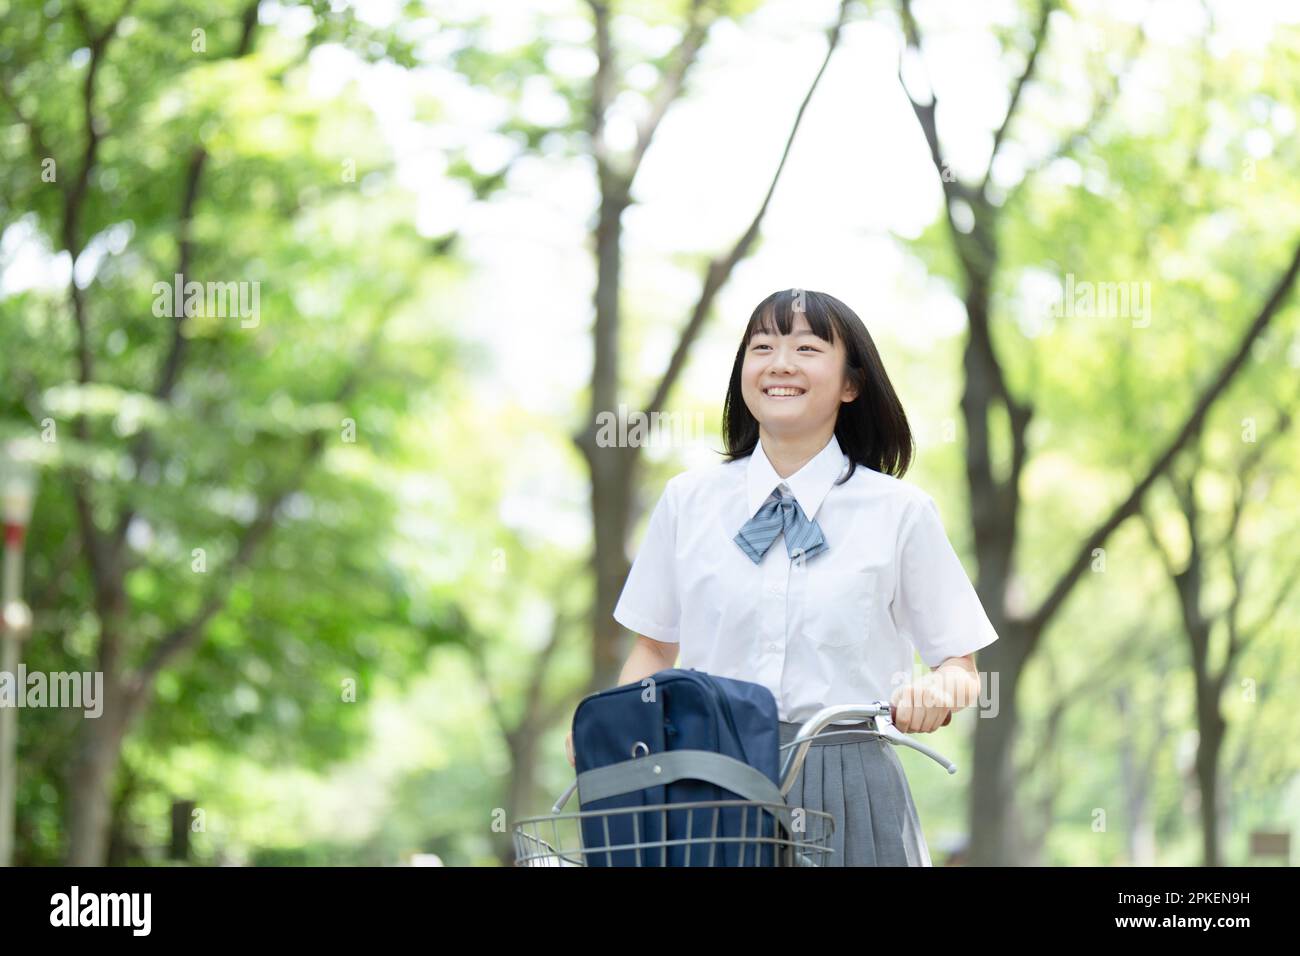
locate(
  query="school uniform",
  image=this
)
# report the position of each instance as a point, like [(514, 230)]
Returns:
[(835, 627)]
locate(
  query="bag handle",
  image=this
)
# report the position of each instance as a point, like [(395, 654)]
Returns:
[(655, 770)]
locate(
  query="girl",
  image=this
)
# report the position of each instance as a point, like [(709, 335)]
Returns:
[(802, 562)]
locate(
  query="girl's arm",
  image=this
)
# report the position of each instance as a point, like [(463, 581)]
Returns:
[(648, 657), (923, 706), (960, 679)]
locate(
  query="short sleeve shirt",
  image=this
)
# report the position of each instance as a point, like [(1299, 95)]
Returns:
[(840, 627)]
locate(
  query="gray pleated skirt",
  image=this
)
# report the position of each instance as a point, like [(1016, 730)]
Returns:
[(859, 781)]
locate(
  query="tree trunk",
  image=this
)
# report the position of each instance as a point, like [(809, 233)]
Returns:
[(612, 467), (1210, 724), (99, 750), (1211, 727), (611, 505), (993, 825)]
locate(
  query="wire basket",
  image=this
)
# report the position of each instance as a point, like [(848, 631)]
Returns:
[(714, 833), (709, 832)]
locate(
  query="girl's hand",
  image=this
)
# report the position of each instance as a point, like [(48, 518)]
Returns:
[(568, 749), (923, 706)]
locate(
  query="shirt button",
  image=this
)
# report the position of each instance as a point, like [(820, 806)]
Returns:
[(774, 647)]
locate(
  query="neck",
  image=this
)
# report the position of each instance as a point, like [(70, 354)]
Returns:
[(789, 453)]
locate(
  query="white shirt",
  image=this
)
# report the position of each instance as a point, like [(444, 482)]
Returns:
[(837, 628)]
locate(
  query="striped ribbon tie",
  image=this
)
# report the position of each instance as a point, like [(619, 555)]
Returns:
[(780, 514)]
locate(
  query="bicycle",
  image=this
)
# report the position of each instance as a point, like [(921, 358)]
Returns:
[(790, 839)]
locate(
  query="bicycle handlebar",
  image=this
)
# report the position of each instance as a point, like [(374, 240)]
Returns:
[(882, 710)]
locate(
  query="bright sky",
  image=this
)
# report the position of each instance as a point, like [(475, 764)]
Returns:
[(858, 171)]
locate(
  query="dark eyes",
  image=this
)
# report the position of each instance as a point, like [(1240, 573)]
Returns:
[(762, 345)]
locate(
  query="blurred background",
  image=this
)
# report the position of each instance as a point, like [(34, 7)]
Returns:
[(311, 314)]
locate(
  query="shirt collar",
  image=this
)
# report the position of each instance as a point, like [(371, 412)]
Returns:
[(809, 484)]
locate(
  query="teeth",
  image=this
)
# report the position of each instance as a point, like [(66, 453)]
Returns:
[(784, 391)]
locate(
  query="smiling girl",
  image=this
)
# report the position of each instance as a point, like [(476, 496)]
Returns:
[(804, 563)]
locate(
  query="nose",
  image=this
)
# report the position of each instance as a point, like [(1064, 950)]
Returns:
[(782, 358)]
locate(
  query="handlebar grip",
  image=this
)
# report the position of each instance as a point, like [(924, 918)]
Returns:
[(893, 716)]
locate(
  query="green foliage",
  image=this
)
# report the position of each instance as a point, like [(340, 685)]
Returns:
[(260, 414)]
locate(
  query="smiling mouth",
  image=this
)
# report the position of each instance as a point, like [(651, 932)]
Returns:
[(783, 391)]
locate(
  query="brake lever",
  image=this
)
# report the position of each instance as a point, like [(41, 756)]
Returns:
[(885, 727)]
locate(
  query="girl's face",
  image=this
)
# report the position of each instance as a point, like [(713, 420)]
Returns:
[(794, 384)]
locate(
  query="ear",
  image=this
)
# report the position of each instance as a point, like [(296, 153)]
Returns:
[(850, 391)]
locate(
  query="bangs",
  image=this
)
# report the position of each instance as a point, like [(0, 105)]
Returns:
[(776, 315)]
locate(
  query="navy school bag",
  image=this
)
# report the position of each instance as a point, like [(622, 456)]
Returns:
[(681, 736)]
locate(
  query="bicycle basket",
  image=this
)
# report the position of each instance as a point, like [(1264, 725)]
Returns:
[(762, 839)]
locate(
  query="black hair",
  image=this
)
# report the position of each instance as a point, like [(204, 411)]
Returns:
[(872, 429)]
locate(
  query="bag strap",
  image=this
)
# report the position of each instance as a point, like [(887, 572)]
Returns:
[(658, 769)]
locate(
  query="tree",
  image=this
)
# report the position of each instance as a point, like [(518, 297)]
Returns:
[(978, 214), (1190, 578), (204, 531)]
